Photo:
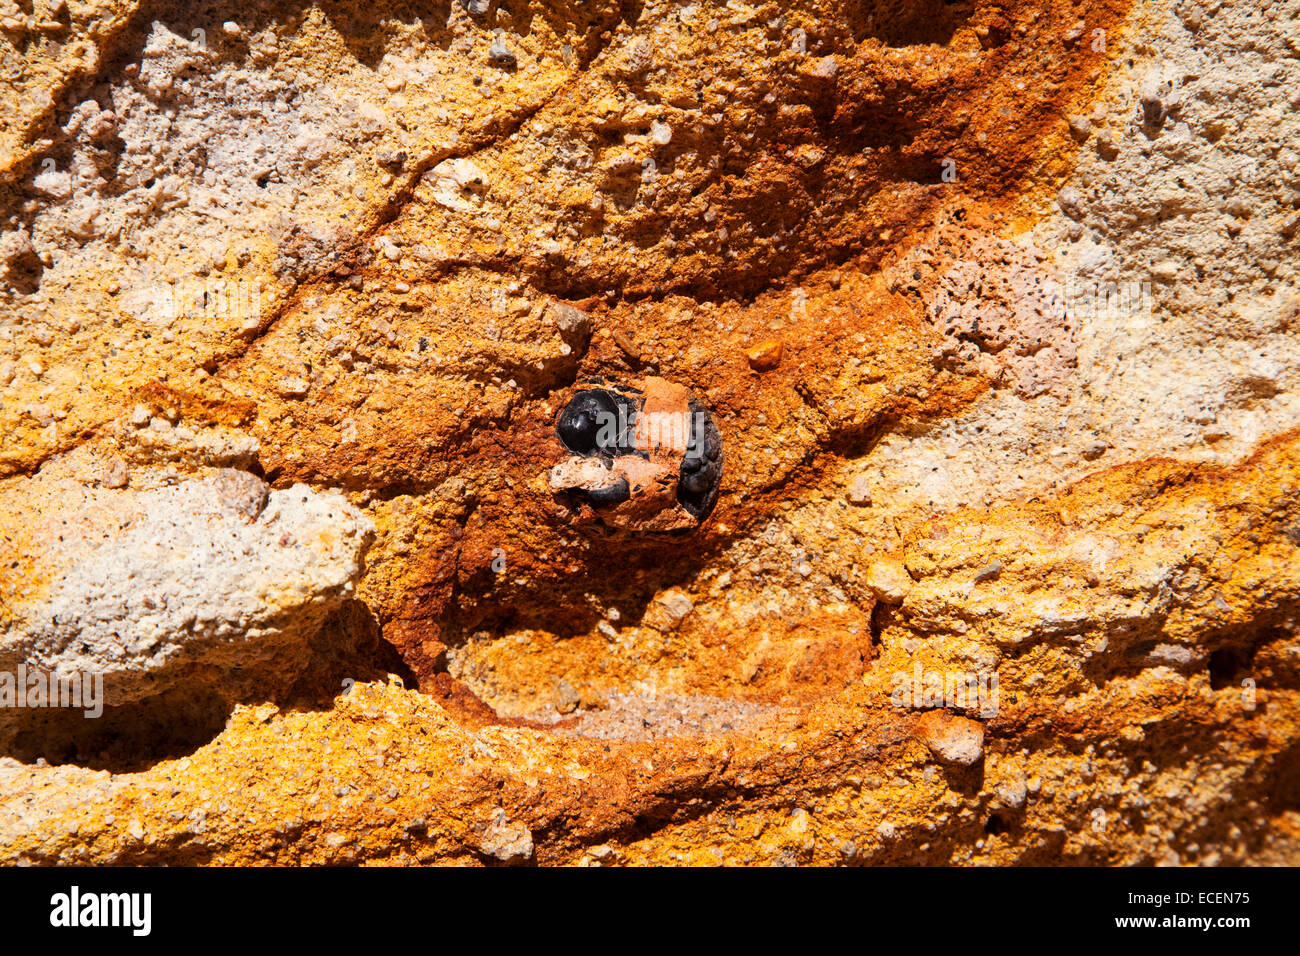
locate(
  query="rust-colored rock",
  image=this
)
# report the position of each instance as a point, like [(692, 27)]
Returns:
[(765, 356)]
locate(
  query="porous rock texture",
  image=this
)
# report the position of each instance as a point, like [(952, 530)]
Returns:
[(994, 306), (208, 569)]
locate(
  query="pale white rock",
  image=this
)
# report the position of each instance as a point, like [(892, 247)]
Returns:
[(167, 55), (138, 585), (859, 492), (889, 581), (571, 320), (54, 183), (507, 841), (294, 387), (215, 446), (115, 474), (1012, 793), (1163, 372), (824, 68), (454, 180), (953, 740)]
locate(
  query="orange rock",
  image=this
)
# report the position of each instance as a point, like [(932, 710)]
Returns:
[(766, 356)]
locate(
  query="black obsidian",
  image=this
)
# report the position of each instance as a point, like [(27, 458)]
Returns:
[(598, 422), (614, 494), (701, 472)]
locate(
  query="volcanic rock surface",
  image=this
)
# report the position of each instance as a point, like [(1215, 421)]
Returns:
[(994, 306)]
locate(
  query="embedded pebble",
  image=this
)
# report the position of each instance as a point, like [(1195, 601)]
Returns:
[(500, 54), (859, 492), (115, 475), (889, 581), (953, 740), (766, 355)]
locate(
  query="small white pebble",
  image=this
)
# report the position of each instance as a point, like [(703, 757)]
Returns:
[(115, 475), (293, 387)]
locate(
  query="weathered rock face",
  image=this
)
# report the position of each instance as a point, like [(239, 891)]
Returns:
[(203, 570), (993, 308)]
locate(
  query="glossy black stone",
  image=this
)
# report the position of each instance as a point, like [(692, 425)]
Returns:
[(598, 422), (701, 471), (614, 494)]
